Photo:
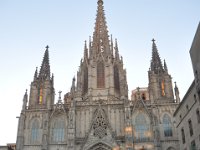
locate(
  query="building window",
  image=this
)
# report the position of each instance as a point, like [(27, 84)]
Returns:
[(167, 125), (163, 87), (142, 128), (180, 117), (100, 75), (116, 78), (143, 96), (183, 135), (58, 131), (40, 99), (193, 145), (187, 107), (198, 115), (190, 127), (85, 80), (35, 131)]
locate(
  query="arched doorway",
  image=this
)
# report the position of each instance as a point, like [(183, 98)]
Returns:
[(100, 146), (171, 148)]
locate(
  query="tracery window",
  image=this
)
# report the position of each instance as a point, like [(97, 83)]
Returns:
[(100, 126), (116, 78), (58, 131), (35, 131), (85, 82), (142, 128), (100, 75), (167, 125)]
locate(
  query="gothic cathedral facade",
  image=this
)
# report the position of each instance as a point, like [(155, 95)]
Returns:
[(97, 114)]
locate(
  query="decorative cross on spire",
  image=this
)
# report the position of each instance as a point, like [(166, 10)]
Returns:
[(59, 95), (153, 40), (47, 47)]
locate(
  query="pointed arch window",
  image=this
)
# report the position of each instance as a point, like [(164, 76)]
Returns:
[(85, 82), (142, 128), (167, 125), (100, 75), (35, 131), (163, 88), (40, 99), (116, 78), (58, 131)]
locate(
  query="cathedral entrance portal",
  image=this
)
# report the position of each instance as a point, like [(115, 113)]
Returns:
[(100, 146)]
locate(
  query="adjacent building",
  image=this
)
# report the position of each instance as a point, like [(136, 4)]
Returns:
[(187, 115), (96, 113)]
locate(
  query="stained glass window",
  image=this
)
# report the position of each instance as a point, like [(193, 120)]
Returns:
[(100, 75), (167, 125), (116, 78), (142, 128), (40, 96), (163, 87), (58, 131), (35, 131)]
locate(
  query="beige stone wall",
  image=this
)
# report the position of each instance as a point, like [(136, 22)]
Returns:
[(185, 112)]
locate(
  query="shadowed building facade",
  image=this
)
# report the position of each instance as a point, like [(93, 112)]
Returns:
[(96, 113)]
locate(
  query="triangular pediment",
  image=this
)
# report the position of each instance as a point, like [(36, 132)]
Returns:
[(59, 109), (139, 104)]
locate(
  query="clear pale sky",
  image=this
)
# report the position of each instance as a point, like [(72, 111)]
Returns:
[(26, 27)]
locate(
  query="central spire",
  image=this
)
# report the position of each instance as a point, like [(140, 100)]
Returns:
[(100, 35)]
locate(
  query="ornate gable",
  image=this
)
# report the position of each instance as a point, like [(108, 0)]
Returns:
[(100, 132)]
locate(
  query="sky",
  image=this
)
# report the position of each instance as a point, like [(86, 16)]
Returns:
[(26, 27)]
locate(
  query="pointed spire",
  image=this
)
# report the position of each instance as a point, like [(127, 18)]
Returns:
[(100, 35), (165, 67), (25, 100), (73, 85), (156, 64), (45, 67), (85, 51), (116, 50), (36, 74), (176, 93)]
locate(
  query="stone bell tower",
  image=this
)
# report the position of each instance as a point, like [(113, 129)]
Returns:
[(160, 81)]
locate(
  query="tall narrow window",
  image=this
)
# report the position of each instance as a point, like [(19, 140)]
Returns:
[(183, 135), (193, 145), (190, 127), (100, 75), (116, 78), (142, 128), (35, 131), (198, 115), (58, 131), (167, 126), (163, 87), (85, 82), (40, 101)]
